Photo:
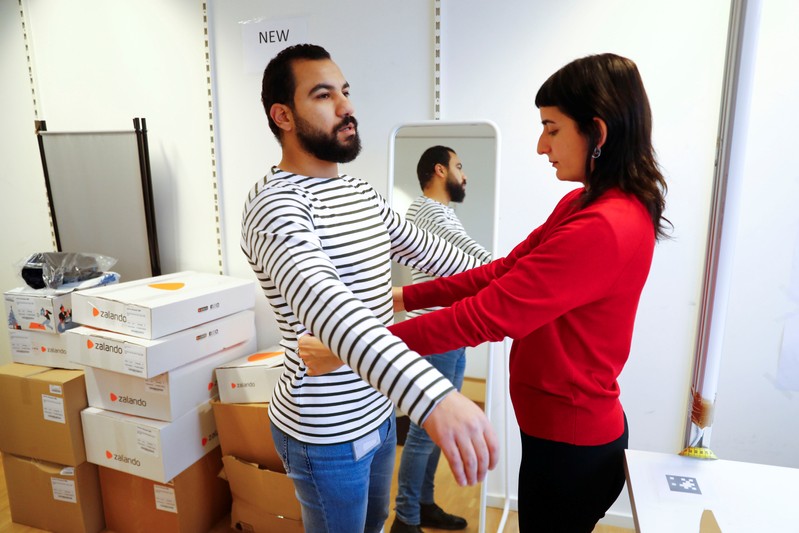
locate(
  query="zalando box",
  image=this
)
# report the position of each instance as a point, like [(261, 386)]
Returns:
[(45, 310), (193, 502), (250, 379), (148, 448), (245, 432), (153, 307), (263, 500), (54, 497), (40, 413), (148, 358), (43, 349), (166, 396)]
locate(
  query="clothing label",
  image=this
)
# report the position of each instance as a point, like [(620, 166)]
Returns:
[(64, 490), (137, 318), (134, 359), (165, 499), (147, 440), (21, 343), (157, 385), (365, 444), (53, 409)]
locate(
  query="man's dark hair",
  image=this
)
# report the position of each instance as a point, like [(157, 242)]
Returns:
[(426, 167), (279, 84)]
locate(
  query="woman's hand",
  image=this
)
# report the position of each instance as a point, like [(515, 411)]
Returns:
[(318, 359), (399, 302)]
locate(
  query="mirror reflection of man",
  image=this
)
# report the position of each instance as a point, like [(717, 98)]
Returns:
[(441, 177)]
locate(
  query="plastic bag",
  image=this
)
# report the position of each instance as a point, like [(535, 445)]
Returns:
[(51, 270)]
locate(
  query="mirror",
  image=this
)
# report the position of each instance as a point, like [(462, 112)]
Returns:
[(477, 147), (476, 144)]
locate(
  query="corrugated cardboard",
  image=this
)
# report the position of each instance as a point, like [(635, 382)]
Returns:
[(192, 503), (40, 413), (252, 378), (262, 500), (44, 310), (154, 307), (43, 349), (152, 449), (148, 358), (245, 432), (54, 497), (164, 397)]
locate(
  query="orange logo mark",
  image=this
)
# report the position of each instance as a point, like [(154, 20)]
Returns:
[(95, 311), (232, 385), (210, 385), (36, 325), (168, 286), (108, 454), (114, 397), (260, 356), (89, 344), (44, 349)]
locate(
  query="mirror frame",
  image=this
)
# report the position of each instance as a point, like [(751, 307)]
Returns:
[(437, 129)]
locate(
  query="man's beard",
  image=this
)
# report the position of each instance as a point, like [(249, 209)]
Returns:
[(456, 191), (326, 146)]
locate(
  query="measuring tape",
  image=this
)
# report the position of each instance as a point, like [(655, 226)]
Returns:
[(698, 453)]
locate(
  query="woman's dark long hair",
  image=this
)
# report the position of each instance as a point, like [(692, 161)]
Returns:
[(609, 86)]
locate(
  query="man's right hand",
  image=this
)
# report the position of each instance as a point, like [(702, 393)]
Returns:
[(462, 431)]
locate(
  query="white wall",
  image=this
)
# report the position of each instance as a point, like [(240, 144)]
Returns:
[(758, 392), (99, 64)]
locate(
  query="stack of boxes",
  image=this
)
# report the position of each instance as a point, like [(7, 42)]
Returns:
[(263, 495), (150, 348), (50, 484)]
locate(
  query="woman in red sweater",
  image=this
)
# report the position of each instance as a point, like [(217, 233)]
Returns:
[(567, 294)]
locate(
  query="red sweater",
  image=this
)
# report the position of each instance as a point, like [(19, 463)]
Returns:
[(568, 296)]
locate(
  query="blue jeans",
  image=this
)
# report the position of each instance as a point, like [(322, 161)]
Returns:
[(338, 493), (417, 470)]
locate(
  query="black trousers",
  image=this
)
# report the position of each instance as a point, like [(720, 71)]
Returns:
[(565, 488)]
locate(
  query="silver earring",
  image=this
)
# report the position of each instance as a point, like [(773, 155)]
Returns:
[(596, 153)]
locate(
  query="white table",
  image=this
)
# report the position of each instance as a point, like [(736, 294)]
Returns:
[(744, 497)]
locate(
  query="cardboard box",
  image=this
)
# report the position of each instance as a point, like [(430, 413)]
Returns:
[(148, 358), (44, 310), (262, 500), (43, 349), (151, 449), (54, 497), (165, 397), (245, 432), (193, 502), (252, 378), (154, 307), (40, 413)]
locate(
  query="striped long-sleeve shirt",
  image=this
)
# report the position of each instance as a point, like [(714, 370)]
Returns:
[(440, 219), (321, 249)]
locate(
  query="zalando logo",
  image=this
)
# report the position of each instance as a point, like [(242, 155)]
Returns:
[(122, 458), (242, 385), (211, 436), (104, 347), (108, 315), (128, 400), (60, 351)]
